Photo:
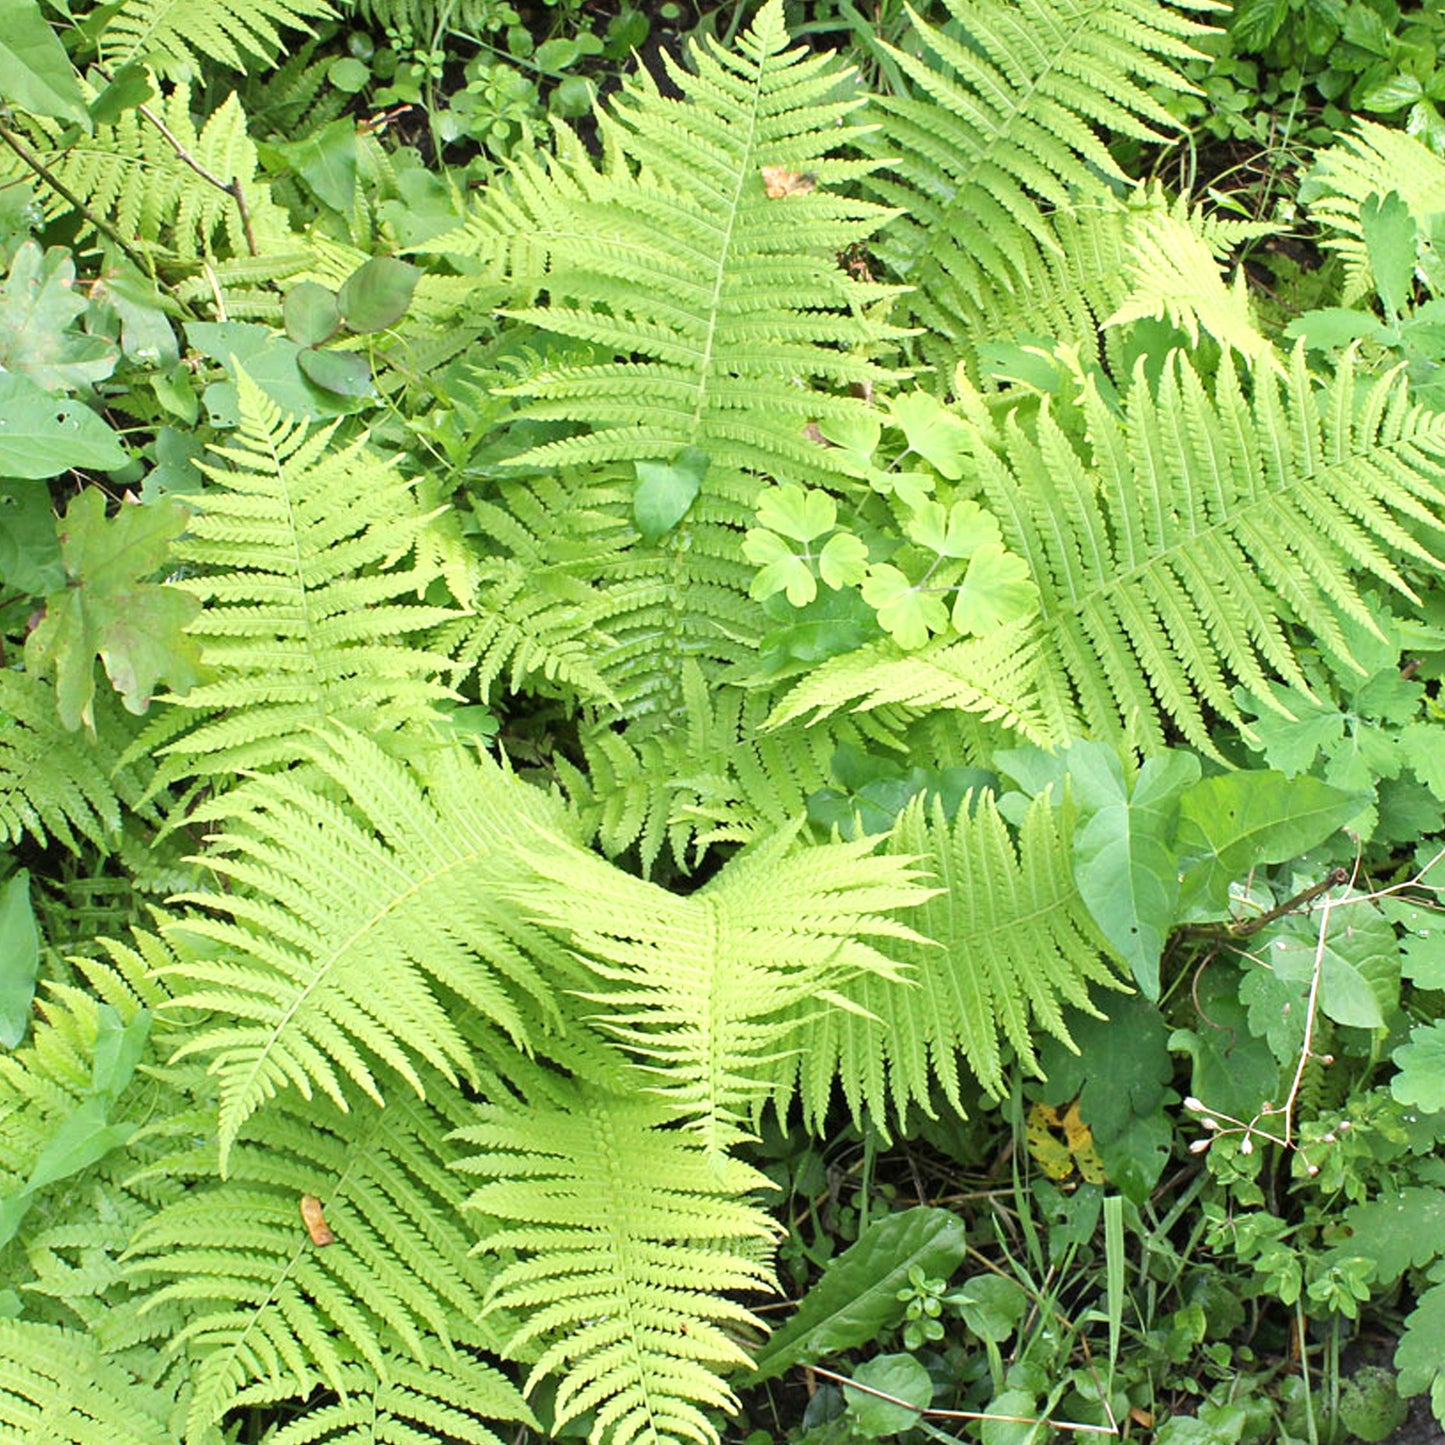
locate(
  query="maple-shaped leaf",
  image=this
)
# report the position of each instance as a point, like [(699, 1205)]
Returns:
[(1421, 1061), (905, 611), (996, 591), (1420, 1355), (1398, 1230), (107, 608)]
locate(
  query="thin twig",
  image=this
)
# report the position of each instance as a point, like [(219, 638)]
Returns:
[(963, 1414), (65, 193)]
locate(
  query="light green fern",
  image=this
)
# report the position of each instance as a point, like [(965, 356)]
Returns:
[(1001, 128), (172, 35), (298, 550), (620, 1240)]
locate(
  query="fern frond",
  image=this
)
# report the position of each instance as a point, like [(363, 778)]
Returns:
[(992, 677), (1007, 116), (1007, 942), (296, 543), (1172, 556), (53, 783), (267, 1313), (628, 1235), (698, 989), (58, 1388), (455, 1398), (1373, 161), (132, 174), (173, 36), (349, 931)]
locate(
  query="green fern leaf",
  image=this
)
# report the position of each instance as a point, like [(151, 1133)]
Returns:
[(1171, 558), (779, 928), (349, 930), (621, 1238), (295, 542), (57, 1388), (268, 1313), (1002, 127), (174, 35)]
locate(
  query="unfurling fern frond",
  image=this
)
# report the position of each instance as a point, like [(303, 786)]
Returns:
[(1375, 160), (58, 1388), (1006, 118), (53, 782), (173, 36), (268, 1313), (1171, 556), (622, 1238), (700, 990), (350, 931), (131, 172), (1007, 942), (305, 620)]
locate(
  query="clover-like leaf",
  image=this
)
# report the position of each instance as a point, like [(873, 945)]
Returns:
[(996, 590), (797, 512), (907, 612), (843, 560), (958, 531), (783, 570), (936, 434)]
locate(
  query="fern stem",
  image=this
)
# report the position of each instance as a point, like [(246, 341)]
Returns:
[(66, 194)]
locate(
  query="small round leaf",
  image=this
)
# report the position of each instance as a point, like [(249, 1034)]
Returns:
[(310, 313), (377, 293)]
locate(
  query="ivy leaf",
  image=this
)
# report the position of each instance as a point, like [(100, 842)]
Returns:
[(782, 568), (1123, 862), (377, 293), (996, 590), (136, 627), (38, 74), (936, 434), (797, 512), (38, 304), (19, 958), (958, 532), (42, 437), (1420, 1083), (843, 560), (906, 612), (665, 490)]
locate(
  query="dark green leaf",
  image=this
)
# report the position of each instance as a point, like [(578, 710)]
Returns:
[(856, 1300), (19, 958), (326, 161), (41, 436), (35, 72), (128, 88), (347, 373), (310, 314), (900, 1376), (665, 491), (377, 293), (348, 74), (29, 547)]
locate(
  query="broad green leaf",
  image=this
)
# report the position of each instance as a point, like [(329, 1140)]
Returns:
[(907, 613), (146, 334), (1332, 328), (35, 72), (38, 304), (783, 569), (109, 610), (84, 1137), (996, 590), (1291, 743), (856, 1300), (857, 434), (41, 436), (1235, 1072), (1420, 1355), (347, 373), (898, 1375), (348, 74), (377, 293), (1123, 862), (936, 434), (1423, 744), (1236, 821), (958, 532), (1421, 1081), (1389, 232), (29, 546), (19, 958), (119, 1049), (665, 491), (270, 360), (1358, 963), (843, 562), (326, 161), (1397, 1230), (797, 512), (990, 1305), (310, 313), (129, 87)]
